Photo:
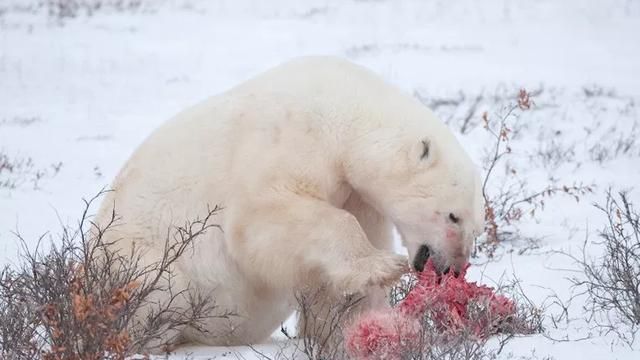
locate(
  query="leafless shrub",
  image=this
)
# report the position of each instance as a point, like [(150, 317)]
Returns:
[(17, 333), (20, 121), (564, 316), (552, 153), (618, 139), (595, 90), (79, 299), (432, 342), (611, 282), (61, 11), (616, 142), (64, 9), (319, 333), (469, 342), (17, 171), (462, 111), (321, 322), (313, 12), (402, 288), (461, 108), (513, 200), (367, 49), (532, 356)]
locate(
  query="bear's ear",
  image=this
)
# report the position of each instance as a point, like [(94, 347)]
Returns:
[(422, 153), (426, 149), (425, 153)]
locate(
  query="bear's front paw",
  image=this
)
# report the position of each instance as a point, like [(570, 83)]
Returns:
[(379, 269)]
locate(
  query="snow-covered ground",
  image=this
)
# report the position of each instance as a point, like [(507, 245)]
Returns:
[(77, 98)]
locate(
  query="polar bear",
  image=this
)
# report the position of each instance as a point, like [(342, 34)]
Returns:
[(313, 163)]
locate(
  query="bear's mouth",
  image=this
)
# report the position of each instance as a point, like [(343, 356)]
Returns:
[(420, 260), (425, 254)]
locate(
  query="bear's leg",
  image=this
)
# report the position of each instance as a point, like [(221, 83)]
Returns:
[(318, 320), (298, 240), (379, 231)]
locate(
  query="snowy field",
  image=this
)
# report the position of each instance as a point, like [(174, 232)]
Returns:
[(77, 95)]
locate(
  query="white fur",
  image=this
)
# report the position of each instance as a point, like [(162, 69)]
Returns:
[(313, 163)]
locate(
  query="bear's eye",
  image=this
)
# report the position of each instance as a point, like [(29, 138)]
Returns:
[(425, 150)]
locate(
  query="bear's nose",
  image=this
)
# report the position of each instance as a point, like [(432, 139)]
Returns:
[(421, 258), (453, 218)]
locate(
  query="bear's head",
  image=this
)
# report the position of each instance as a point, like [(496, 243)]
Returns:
[(416, 173)]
